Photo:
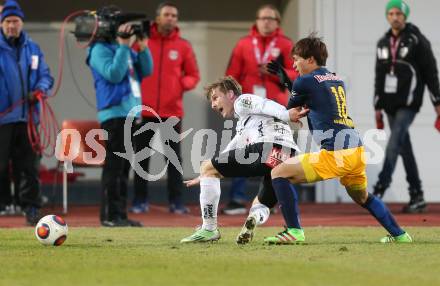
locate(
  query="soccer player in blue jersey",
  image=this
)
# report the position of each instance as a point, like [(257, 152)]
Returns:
[(342, 152)]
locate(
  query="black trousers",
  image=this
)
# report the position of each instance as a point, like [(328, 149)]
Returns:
[(174, 179), (115, 172), (239, 163), (16, 148), (6, 197)]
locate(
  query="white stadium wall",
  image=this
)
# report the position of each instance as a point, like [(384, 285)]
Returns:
[(351, 28)]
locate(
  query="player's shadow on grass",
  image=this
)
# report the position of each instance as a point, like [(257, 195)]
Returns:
[(84, 245)]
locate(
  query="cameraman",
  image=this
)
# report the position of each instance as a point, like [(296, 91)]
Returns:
[(117, 71)]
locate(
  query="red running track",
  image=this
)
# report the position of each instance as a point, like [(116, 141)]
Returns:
[(343, 214)]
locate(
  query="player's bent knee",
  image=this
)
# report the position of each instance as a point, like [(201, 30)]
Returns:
[(208, 170), (205, 167), (290, 172), (358, 196), (256, 201), (279, 172)]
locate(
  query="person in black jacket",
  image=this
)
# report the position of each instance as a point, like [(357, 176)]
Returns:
[(405, 63)]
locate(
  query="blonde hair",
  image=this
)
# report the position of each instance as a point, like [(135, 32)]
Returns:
[(225, 84)]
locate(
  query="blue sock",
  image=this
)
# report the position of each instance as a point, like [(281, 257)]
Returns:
[(383, 215), (288, 200)]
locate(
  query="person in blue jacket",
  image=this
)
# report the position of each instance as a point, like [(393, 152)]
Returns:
[(117, 71), (24, 76)]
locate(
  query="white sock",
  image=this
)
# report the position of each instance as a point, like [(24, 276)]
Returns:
[(209, 198), (260, 212)]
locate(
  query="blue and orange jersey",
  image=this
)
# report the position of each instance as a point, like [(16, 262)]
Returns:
[(324, 94)]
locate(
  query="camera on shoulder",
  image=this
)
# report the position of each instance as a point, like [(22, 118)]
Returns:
[(103, 24)]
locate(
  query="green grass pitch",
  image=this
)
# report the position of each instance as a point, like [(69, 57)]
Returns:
[(153, 256)]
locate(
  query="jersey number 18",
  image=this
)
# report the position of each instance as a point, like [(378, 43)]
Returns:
[(339, 93)]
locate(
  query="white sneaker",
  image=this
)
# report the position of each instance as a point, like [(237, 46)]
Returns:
[(247, 231)]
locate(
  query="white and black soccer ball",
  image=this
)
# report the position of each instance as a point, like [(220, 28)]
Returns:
[(51, 230)]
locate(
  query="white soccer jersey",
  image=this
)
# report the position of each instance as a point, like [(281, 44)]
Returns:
[(260, 120)]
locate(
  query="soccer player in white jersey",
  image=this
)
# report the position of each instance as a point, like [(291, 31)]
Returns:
[(263, 140)]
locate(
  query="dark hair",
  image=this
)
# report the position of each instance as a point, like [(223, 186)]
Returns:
[(224, 84), (165, 4), (271, 7), (312, 46)]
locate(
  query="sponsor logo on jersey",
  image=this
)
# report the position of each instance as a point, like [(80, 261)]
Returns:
[(276, 157), (280, 129), (327, 76), (246, 102)]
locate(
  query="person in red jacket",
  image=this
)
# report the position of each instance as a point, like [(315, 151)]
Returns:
[(175, 71), (264, 43)]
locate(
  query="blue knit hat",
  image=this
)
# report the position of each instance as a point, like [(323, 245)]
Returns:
[(11, 8)]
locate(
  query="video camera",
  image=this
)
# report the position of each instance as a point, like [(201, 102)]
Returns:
[(103, 25)]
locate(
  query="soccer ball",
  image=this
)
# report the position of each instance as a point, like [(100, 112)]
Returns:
[(51, 230)]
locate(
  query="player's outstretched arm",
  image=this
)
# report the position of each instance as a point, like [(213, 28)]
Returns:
[(192, 182), (247, 104)]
